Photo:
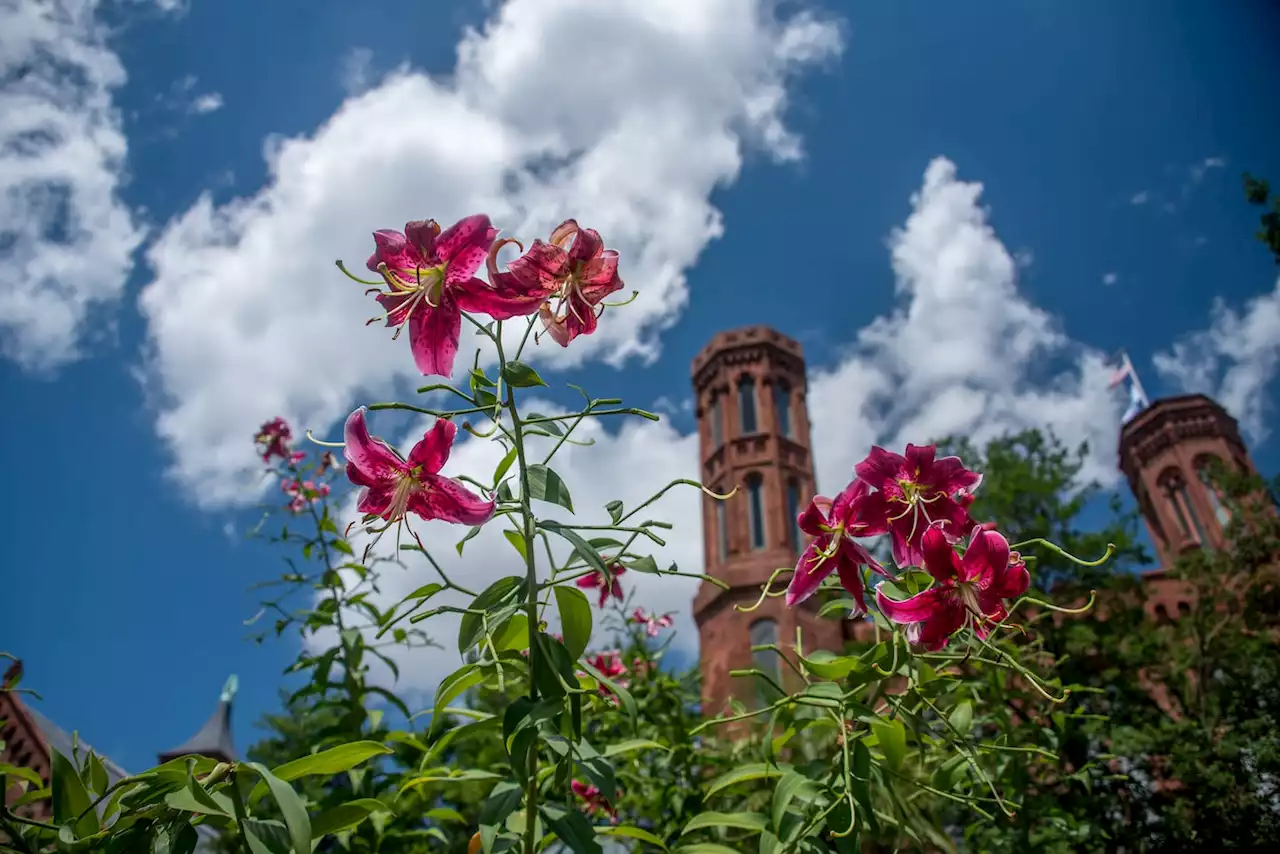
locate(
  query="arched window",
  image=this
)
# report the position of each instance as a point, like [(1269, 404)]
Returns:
[(1175, 490), (793, 513), (1184, 609), (716, 418), (765, 633), (755, 509), (1162, 614), (782, 403), (747, 404), (1205, 470), (722, 529)]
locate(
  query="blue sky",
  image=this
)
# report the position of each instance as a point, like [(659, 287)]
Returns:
[(811, 166)]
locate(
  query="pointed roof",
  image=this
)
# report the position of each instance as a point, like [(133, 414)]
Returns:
[(214, 738)]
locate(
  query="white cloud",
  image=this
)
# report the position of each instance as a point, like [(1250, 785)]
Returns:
[(207, 103), (965, 352), (959, 355), (1110, 278), (1234, 361), (357, 70), (1139, 198), (67, 237), (630, 131)]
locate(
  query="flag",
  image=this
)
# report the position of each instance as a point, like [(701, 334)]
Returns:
[(1119, 375), (1137, 403)]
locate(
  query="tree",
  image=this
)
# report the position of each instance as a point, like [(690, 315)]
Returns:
[(1258, 192)]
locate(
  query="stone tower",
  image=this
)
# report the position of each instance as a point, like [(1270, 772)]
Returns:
[(753, 430), (1165, 453)]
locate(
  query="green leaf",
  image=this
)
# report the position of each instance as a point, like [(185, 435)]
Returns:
[(295, 814), (503, 800), (575, 619), (475, 529), (266, 837), (892, 737), (581, 547), (345, 815), (69, 796), (504, 465), (452, 687), (342, 546), (572, 828), (788, 787), (961, 719), (335, 760), (493, 598), (631, 833), (706, 848), (827, 665), (614, 509), (27, 774), (520, 375), (97, 775), (743, 774), (550, 426), (622, 747), (514, 634), (517, 542), (445, 814), (546, 485), (742, 820)]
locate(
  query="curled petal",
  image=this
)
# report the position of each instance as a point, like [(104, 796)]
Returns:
[(812, 518), (587, 582), (919, 462), (565, 230), (376, 500), (445, 498), (423, 234), (391, 248), (812, 568), (920, 607), (433, 337), (881, 469), (1016, 581), (432, 451), (934, 632), (587, 244), (940, 558), (544, 267), (950, 476), (986, 560), (376, 462), (851, 581), (501, 302), (601, 273), (457, 244), (846, 503)]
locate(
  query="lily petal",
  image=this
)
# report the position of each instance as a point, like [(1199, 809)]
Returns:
[(919, 462), (986, 560), (544, 266), (811, 570), (422, 234), (950, 476), (919, 607), (449, 500), (376, 500), (374, 458), (812, 518), (432, 451), (500, 303), (851, 581), (587, 244), (881, 470), (433, 337), (940, 558), (935, 631), (456, 245)]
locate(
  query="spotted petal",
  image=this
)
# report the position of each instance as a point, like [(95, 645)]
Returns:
[(445, 498), (375, 460), (433, 337), (432, 451)]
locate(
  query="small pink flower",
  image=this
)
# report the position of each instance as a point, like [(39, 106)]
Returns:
[(833, 526), (595, 800), (914, 493), (297, 457), (394, 486), (430, 278), (573, 270), (273, 438), (653, 623), (970, 589), (607, 588), (298, 504)]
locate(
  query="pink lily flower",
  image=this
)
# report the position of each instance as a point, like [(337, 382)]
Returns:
[(394, 486), (833, 526), (607, 588), (431, 280), (970, 589), (915, 492), (273, 437), (595, 801), (653, 624), (574, 269)]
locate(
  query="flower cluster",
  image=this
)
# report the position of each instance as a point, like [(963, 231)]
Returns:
[(597, 580), (430, 279), (610, 665), (273, 439), (922, 503), (594, 799), (302, 493)]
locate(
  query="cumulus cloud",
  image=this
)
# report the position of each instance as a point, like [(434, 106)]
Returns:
[(1234, 361), (246, 314), (67, 236), (964, 352), (207, 103)]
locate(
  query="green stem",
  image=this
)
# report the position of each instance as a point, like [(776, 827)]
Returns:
[(530, 526)]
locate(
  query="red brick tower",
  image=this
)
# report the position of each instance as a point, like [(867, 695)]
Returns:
[(1165, 452), (753, 429)]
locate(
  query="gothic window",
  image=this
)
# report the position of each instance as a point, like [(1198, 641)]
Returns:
[(722, 530), (765, 633), (717, 424), (747, 405), (793, 512), (1175, 491), (755, 509), (782, 403), (1205, 470)]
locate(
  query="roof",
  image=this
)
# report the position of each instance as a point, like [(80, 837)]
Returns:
[(214, 738)]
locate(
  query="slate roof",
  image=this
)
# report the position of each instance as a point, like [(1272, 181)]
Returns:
[(212, 740)]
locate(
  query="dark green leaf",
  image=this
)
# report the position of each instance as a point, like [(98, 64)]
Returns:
[(503, 800), (504, 465), (492, 600), (520, 375), (342, 546), (572, 828), (893, 740), (345, 815), (295, 814), (546, 485), (827, 665), (742, 820), (788, 787), (615, 511), (69, 796), (575, 619), (742, 774), (266, 837), (581, 547), (631, 833), (475, 529), (962, 717)]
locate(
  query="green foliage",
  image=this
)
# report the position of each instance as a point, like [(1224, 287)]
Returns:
[(1258, 192)]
